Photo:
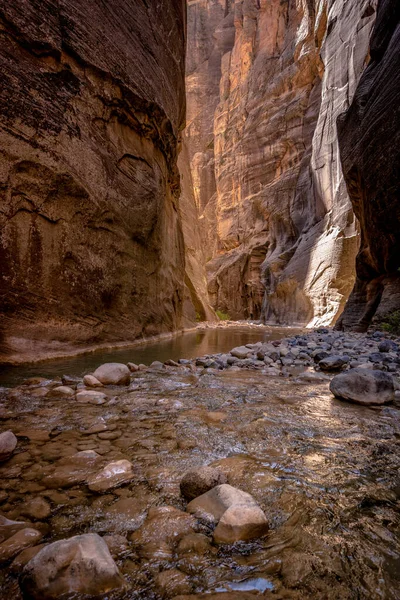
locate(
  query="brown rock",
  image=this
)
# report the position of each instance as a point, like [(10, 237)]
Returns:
[(241, 523), (114, 474), (37, 508), (198, 481), (276, 221), (18, 542), (91, 381), (113, 374), (172, 582), (79, 565), (100, 132)]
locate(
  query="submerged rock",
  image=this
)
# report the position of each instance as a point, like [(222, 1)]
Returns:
[(113, 374), (19, 541), (198, 481), (113, 474), (363, 386), (91, 397), (8, 443), (79, 565)]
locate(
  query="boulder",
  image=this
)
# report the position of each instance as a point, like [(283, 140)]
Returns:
[(333, 363), (79, 565), (113, 374), (91, 381), (363, 386), (8, 443), (241, 352), (198, 481), (236, 513), (113, 474), (241, 523)]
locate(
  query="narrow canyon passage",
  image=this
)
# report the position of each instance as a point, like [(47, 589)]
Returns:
[(199, 299)]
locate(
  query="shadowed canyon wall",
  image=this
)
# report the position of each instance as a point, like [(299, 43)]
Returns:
[(369, 137), (92, 102), (266, 81)]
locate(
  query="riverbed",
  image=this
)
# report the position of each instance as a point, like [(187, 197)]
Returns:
[(324, 471)]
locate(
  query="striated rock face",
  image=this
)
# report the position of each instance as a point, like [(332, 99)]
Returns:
[(91, 105), (266, 81), (369, 138)]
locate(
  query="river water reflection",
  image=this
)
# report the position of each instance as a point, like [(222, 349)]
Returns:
[(186, 345)]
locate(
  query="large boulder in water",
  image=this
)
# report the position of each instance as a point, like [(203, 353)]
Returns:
[(238, 515), (363, 386), (79, 565), (113, 374)]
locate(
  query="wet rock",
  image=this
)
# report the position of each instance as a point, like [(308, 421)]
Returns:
[(18, 542), (333, 363), (241, 352), (117, 544), (114, 474), (62, 391), (72, 470), (132, 367), (196, 543), (164, 524), (312, 377), (198, 481), (113, 374), (171, 583), (79, 565), (216, 501), (8, 443), (24, 557), (37, 508), (91, 397), (8, 527), (241, 523), (363, 386), (91, 381), (70, 380)]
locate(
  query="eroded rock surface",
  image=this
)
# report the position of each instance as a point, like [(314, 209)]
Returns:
[(369, 139), (91, 105), (265, 84)]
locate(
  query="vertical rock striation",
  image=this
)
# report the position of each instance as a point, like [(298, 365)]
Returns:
[(91, 107), (266, 81), (369, 138)]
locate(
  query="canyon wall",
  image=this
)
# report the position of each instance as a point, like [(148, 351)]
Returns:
[(369, 138), (92, 102), (266, 81)]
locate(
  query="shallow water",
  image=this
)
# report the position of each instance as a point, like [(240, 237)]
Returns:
[(186, 345), (325, 472)]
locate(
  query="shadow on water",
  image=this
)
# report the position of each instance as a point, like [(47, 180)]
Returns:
[(186, 345)]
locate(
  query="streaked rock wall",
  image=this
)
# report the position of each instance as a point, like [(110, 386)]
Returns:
[(266, 81), (92, 103)]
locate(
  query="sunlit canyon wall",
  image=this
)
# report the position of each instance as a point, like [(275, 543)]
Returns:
[(266, 81), (92, 103)]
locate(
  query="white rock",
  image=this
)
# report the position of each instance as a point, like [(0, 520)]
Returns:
[(91, 397)]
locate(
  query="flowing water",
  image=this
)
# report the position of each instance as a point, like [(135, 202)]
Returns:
[(185, 345), (325, 472)]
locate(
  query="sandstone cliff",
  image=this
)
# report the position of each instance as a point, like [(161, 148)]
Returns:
[(266, 80), (369, 137), (91, 106)]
